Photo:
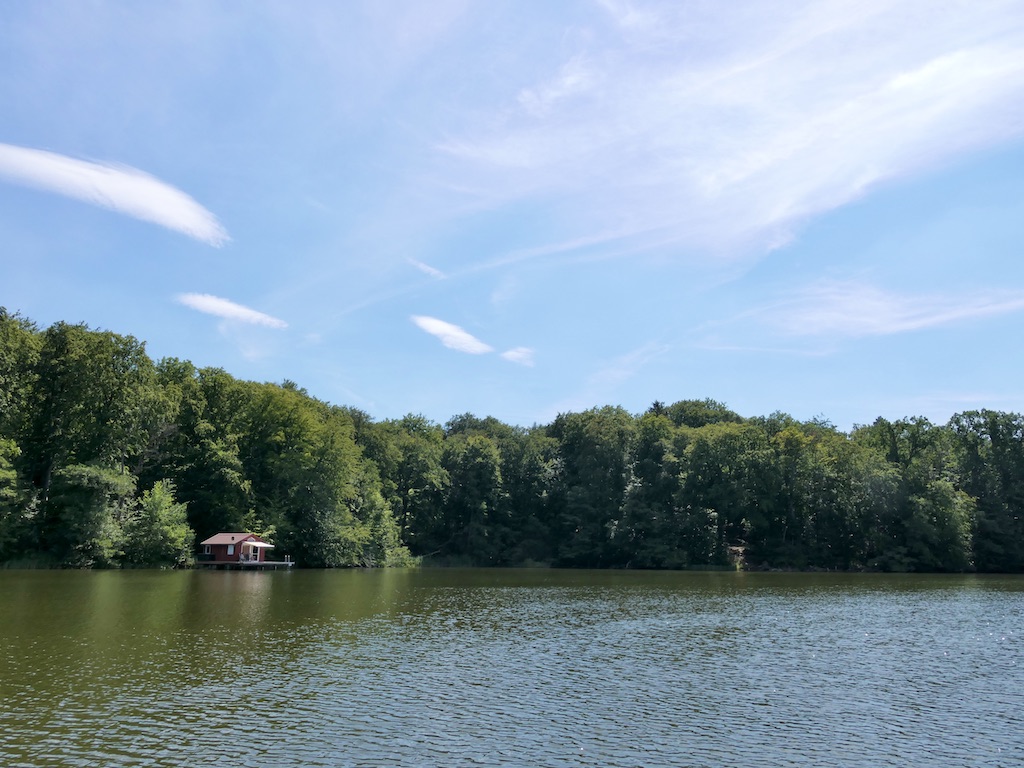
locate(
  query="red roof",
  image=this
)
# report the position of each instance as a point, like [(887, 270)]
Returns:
[(231, 538)]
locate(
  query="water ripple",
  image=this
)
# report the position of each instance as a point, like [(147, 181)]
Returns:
[(672, 670)]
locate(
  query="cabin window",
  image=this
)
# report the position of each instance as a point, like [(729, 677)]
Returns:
[(206, 549), (231, 549)]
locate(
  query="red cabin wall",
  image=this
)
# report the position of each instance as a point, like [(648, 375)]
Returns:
[(220, 553)]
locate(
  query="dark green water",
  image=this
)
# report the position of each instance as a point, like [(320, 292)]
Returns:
[(509, 668)]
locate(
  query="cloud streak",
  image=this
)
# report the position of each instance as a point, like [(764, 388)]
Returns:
[(119, 188), (427, 269), (520, 356), (602, 385), (721, 126), (854, 310), (229, 310), (452, 336)]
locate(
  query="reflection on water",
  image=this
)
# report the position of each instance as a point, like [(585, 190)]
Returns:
[(532, 667)]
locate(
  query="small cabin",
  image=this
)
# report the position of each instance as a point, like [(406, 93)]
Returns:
[(234, 548)]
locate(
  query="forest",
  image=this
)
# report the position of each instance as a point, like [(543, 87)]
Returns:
[(110, 459)]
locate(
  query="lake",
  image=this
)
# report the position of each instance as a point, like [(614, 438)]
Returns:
[(510, 668)]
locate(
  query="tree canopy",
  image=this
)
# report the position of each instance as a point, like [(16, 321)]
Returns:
[(110, 459)]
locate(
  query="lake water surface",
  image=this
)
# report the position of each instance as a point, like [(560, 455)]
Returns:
[(509, 668)]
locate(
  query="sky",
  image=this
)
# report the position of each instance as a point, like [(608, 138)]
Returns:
[(525, 208)]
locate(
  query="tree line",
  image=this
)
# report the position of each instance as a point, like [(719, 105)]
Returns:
[(111, 459)]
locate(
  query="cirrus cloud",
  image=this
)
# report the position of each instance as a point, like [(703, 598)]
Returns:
[(724, 125), (427, 269), (452, 336), (117, 187), (214, 305), (854, 309), (519, 355)]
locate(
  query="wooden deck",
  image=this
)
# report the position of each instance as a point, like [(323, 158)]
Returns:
[(244, 565)]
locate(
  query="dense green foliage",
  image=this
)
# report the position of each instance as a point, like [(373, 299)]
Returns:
[(109, 459)]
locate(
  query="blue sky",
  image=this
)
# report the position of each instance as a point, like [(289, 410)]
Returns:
[(523, 208)]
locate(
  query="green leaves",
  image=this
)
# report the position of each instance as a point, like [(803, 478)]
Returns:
[(157, 532), (311, 481), (989, 446), (85, 514), (107, 459)]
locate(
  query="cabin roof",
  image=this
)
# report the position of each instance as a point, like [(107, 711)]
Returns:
[(235, 537)]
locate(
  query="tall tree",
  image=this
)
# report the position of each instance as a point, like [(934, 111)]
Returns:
[(86, 510), (409, 455), (590, 487), (528, 467), (475, 523), (312, 483), (157, 532), (19, 356), (15, 521), (654, 531), (697, 413), (989, 449), (725, 478), (90, 402), (929, 525)]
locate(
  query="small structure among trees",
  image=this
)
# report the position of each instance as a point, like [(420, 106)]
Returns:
[(238, 549)]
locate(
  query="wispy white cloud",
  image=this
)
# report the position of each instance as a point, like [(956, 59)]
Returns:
[(727, 125), (229, 310), (519, 355), (627, 14), (628, 365), (427, 269), (712, 345), (452, 336), (853, 309), (117, 187), (601, 386), (573, 78), (939, 405)]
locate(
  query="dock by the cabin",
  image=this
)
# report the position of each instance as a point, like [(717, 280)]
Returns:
[(244, 565)]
